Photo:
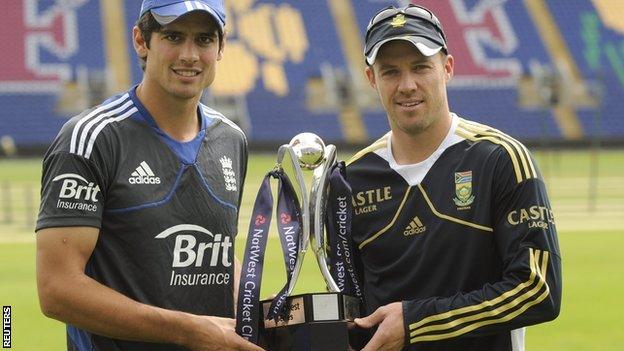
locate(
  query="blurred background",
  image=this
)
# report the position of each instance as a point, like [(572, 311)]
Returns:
[(548, 72)]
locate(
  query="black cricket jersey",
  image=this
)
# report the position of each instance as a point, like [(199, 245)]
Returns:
[(466, 239), (167, 210)]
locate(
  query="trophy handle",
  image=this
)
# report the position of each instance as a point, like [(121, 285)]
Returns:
[(318, 195), (286, 156)]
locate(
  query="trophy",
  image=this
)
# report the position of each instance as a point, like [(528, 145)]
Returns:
[(311, 321)]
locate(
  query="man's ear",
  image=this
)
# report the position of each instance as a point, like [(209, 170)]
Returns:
[(139, 43), (449, 66), (370, 74)]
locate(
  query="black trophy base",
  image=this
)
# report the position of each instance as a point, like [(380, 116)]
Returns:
[(314, 336), (316, 322)]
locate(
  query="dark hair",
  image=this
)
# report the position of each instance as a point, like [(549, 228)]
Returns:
[(148, 25)]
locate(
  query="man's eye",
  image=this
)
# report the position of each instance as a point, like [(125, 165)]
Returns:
[(205, 40), (389, 72), (172, 37)]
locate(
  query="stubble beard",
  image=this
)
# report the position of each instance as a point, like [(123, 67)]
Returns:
[(414, 128), (184, 91)]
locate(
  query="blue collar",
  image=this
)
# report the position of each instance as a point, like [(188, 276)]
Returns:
[(186, 151)]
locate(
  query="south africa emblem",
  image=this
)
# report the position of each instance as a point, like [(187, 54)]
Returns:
[(463, 189), (398, 21)]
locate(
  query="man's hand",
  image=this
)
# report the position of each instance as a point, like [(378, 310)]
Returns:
[(215, 333), (390, 334)]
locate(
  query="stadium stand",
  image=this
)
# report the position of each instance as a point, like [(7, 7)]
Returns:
[(536, 69)]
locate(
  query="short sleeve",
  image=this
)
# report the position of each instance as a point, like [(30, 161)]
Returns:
[(72, 192)]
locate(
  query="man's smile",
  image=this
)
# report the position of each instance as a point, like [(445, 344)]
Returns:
[(185, 72), (409, 103)]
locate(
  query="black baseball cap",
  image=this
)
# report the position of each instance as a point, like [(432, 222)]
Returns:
[(411, 23)]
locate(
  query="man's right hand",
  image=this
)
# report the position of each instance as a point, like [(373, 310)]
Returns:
[(216, 333), (390, 334)]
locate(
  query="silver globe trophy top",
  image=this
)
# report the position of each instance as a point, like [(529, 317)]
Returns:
[(309, 149)]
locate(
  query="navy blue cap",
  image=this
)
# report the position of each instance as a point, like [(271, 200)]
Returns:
[(411, 23), (167, 11)]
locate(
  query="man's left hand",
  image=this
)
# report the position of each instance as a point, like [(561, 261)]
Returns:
[(390, 334)]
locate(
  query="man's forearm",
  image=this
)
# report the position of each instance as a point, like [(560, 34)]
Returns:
[(87, 304)]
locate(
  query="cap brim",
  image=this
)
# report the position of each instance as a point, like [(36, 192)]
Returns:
[(424, 45), (167, 14)]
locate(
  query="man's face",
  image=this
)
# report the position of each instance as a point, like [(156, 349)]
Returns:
[(411, 86), (181, 58)]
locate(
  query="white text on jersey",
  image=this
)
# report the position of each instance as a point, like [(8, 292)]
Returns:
[(82, 197), (190, 250)]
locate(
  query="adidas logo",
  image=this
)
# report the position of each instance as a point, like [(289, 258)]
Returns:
[(143, 175), (415, 227)]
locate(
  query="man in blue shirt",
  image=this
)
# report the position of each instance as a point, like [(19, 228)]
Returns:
[(140, 200)]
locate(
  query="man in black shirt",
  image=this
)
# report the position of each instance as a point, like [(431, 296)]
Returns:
[(140, 200), (455, 236)]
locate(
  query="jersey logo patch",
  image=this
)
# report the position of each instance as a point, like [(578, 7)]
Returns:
[(143, 174), (196, 253), (416, 226), (228, 174), (77, 193), (463, 190), (534, 216)]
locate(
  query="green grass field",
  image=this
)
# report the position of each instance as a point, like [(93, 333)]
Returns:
[(591, 245)]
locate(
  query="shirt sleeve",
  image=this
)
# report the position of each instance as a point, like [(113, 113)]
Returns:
[(72, 192), (529, 291)]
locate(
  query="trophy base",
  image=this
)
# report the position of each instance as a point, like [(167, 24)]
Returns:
[(314, 336), (316, 322)]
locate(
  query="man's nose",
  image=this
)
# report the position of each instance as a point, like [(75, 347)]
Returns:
[(189, 52), (407, 84)]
